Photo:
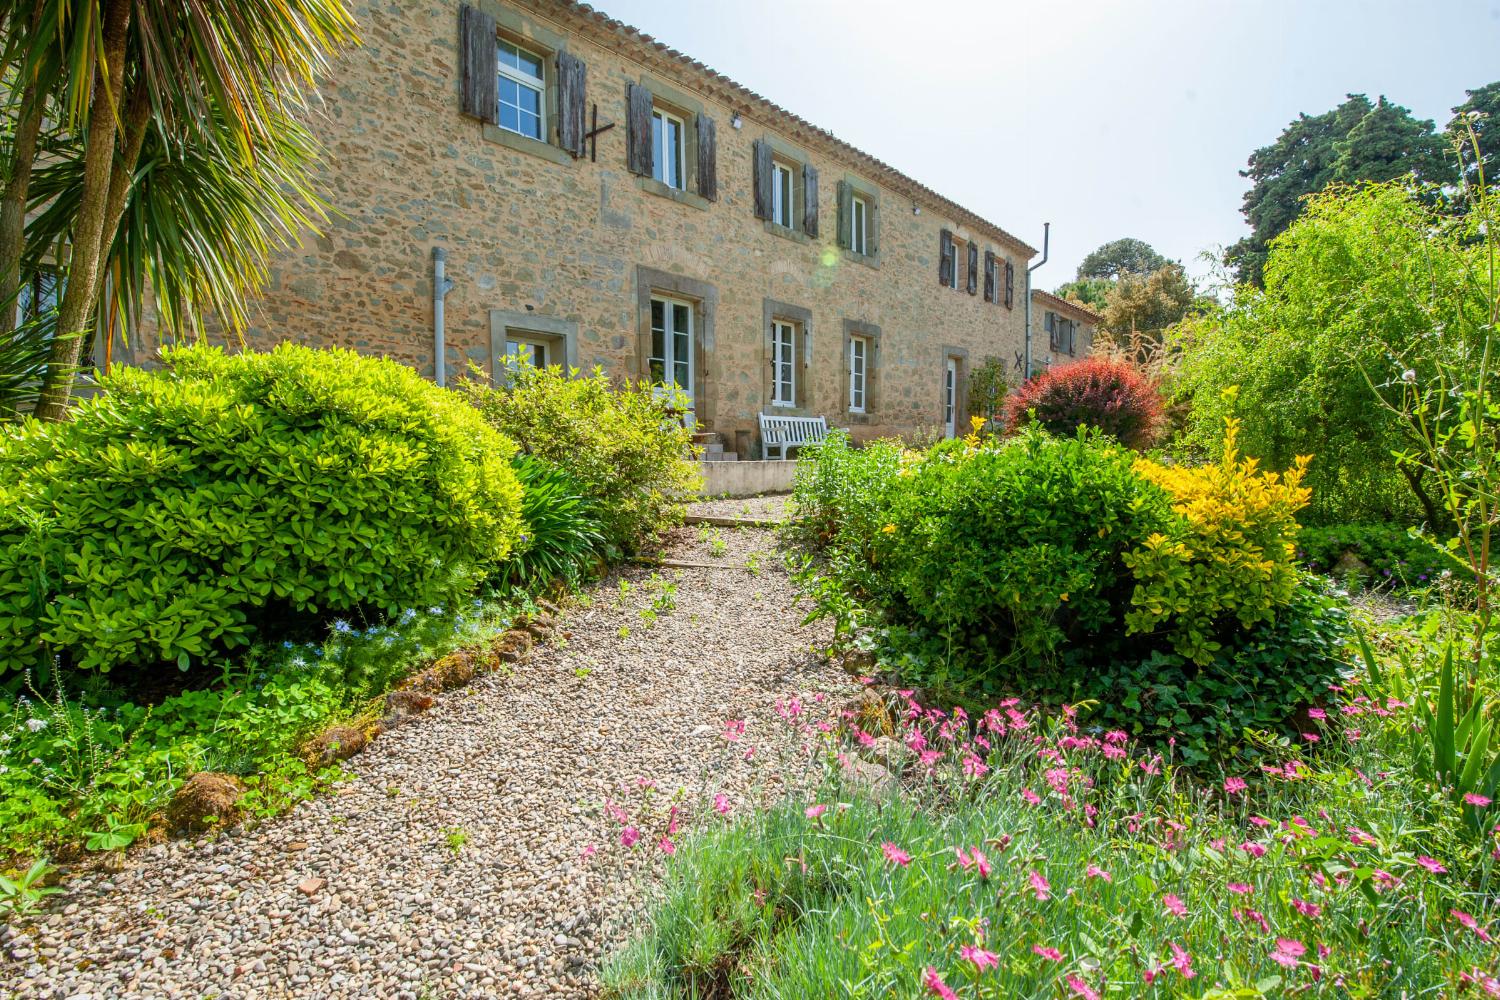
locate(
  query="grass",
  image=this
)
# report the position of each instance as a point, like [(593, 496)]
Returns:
[(1109, 873)]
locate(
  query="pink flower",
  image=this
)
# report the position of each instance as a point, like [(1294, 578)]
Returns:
[(1253, 849), (1468, 921), (1484, 981), (589, 850), (936, 986), (1240, 888), (1260, 821), (1050, 954), (1287, 952), (1477, 800), (1081, 988), (1174, 904), (974, 767), (1359, 838), (1310, 910), (976, 860), (734, 729), (894, 854), (813, 812), (1431, 864), (1311, 737), (1234, 786), (666, 846), (982, 959), (1182, 961), (1040, 886), (721, 804), (1031, 797), (1316, 713), (1094, 871), (629, 836)]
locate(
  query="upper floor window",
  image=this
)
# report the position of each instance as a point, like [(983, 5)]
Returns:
[(522, 91), (666, 148), (859, 225), (783, 364), (781, 194), (955, 265)]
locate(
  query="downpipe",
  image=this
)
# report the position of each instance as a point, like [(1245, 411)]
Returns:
[(440, 288), (1046, 245)]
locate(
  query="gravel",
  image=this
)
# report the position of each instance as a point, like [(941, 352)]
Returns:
[(471, 853), (769, 507)]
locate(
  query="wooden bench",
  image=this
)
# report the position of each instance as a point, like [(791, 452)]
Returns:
[(783, 433)]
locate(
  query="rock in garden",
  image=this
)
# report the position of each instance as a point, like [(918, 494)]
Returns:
[(310, 886), (336, 743), (206, 800), (871, 779)]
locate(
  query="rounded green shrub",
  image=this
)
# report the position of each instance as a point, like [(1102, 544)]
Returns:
[(190, 508)]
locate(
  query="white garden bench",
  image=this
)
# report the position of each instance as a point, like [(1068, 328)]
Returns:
[(789, 432)]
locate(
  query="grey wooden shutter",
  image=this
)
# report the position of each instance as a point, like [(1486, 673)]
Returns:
[(872, 228), (708, 158), (762, 179), (638, 126), (846, 215), (478, 65), (810, 200), (946, 261), (571, 100), (973, 282), (989, 276), (1010, 285)]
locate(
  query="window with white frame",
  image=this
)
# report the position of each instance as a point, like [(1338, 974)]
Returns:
[(960, 254), (667, 131), (783, 364), (522, 91), (781, 194), (859, 359), (671, 360), (859, 224)]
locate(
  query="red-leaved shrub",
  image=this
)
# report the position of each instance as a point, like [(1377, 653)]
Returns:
[(1110, 395)]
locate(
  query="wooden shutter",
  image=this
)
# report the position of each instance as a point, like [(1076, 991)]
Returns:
[(478, 65), (762, 179), (708, 158), (872, 228), (638, 127), (946, 261), (571, 100), (989, 276), (846, 215), (1010, 285), (810, 200), (973, 268)]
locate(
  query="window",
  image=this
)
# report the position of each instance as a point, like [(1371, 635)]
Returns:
[(671, 361), (783, 364), (528, 352), (522, 90), (859, 224), (666, 148), (781, 194), (859, 353)]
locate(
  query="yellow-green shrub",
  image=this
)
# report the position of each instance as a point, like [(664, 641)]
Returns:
[(1231, 550)]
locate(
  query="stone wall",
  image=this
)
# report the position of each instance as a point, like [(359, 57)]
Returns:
[(574, 243)]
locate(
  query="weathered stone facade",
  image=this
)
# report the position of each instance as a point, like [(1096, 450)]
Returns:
[(572, 251), (1050, 345)]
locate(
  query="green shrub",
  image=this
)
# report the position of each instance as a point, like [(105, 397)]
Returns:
[(1392, 556), (1109, 394), (631, 456), (189, 508), (560, 534)]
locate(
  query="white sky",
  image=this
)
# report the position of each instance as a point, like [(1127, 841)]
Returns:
[(1107, 118)]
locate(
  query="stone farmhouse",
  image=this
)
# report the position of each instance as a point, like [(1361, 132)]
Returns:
[(1061, 331), (530, 179)]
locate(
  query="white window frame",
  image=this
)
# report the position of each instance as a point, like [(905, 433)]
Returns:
[(960, 251), (783, 198), (859, 368), (669, 331), (536, 83), (671, 166), (859, 224), (783, 363)]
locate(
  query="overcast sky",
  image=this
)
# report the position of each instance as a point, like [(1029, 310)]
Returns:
[(1107, 118)]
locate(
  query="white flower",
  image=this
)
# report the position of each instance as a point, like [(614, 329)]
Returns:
[(36, 725), (1409, 376)]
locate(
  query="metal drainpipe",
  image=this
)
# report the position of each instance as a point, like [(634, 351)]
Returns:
[(1046, 244), (440, 288)]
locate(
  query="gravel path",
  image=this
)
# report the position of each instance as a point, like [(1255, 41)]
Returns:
[(518, 769), (770, 507)]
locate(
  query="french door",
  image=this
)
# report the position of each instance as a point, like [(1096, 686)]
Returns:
[(950, 396), (671, 360)]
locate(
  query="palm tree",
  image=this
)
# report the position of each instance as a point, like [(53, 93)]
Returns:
[(177, 159)]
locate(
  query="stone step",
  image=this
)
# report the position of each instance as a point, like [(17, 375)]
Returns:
[(721, 456)]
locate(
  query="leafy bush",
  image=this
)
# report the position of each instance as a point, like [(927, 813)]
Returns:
[(187, 509), (633, 459), (1096, 392), (1391, 554), (560, 534)]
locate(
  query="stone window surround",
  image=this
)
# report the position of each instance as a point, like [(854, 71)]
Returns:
[(688, 108), (871, 334), (871, 195), (961, 400), (704, 298), (795, 157), (560, 336), (517, 27), (801, 319)]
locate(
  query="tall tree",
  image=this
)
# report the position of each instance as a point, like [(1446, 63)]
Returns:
[(1089, 292), (1142, 308), (1356, 141), (210, 88), (1120, 257), (1482, 112)]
